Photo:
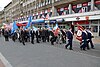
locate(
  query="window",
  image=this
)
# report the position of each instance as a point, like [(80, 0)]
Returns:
[(94, 22), (94, 28)]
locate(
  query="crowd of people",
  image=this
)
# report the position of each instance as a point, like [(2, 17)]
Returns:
[(58, 36)]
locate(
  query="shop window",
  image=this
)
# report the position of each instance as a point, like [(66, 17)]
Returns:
[(94, 28), (97, 5), (85, 9), (94, 22)]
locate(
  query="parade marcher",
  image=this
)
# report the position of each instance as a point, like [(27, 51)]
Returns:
[(89, 38), (0, 31), (47, 34), (63, 36), (18, 34), (14, 36), (23, 36), (6, 34), (43, 35), (32, 32), (52, 37), (3, 31), (84, 40), (69, 38), (27, 36), (38, 35)]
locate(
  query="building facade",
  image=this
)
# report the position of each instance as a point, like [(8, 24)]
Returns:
[(8, 13), (2, 19)]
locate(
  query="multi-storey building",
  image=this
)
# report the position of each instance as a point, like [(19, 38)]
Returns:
[(64, 12), (2, 19), (8, 13)]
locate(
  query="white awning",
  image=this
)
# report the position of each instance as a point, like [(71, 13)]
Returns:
[(72, 17)]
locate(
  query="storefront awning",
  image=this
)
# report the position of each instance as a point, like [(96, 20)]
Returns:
[(38, 21), (60, 20), (82, 16), (52, 21)]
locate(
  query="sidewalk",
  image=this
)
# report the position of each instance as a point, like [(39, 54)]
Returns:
[(1, 64), (96, 40)]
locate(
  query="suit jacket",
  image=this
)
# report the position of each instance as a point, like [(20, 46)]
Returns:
[(84, 36), (69, 35), (32, 32), (38, 33)]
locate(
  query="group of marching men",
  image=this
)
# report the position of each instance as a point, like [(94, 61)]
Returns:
[(52, 36)]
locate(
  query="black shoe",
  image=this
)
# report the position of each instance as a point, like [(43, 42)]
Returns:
[(52, 43), (70, 49), (88, 48), (65, 46), (93, 48), (80, 48), (84, 50), (32, 43), (38, 42), (24, 44)]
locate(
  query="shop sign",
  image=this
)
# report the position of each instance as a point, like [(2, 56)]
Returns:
[(52, 21), (59, 20)]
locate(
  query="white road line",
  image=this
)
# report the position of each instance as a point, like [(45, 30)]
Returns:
[(5, 62)]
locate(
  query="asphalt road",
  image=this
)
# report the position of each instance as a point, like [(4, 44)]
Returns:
[(46, 55)]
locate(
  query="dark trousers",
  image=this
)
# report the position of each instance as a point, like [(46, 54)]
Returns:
[(32, 40), (47, 38), (84, 44), (91, 43), (53, 39), (69, 44), (6, 38), (37, 39), (23, 40)]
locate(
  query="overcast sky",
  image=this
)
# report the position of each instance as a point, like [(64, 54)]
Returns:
[(3, 3)]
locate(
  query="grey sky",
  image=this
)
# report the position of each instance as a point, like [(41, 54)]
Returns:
[(3, 3)]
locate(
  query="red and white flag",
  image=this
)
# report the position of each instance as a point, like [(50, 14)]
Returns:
[(79, 32)]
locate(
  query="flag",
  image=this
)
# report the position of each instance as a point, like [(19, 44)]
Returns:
[(47, 26), (55, 27), (14, 27), (79, 33), (35, 29), (29, 22)]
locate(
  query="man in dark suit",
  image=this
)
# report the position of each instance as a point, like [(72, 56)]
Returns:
[(32, 32), (47, 34), (43, 35), (23, 36), (70, 39), (84, 40), (89, 38), (38, 35), (6, 35)]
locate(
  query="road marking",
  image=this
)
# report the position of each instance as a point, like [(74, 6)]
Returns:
[(4, 60)]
